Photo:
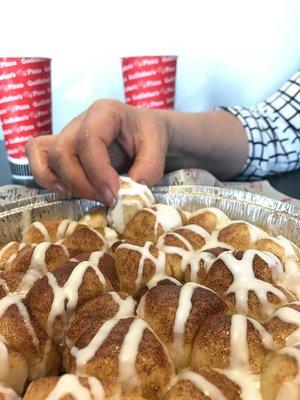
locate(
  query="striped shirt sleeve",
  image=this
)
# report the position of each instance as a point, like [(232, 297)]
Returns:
[(273, 130)]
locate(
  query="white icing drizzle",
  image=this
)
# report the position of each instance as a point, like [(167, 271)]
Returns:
[(154, 281), (244, 280), (66, 228), (66, 297), (133, 195), (290, 316), (8, 393), (265, 337), (17, 300), (159, 261), (69, 384), (96, 388), (38, 258), (291, 261), (241, 288), (4, 363), (182, 314), (126, 306), (95, 257), (239, 353), (222, 219), (101, 237), (214, 241), (14, 255), (194, 259), (244, 268), (84, 355), (28, 280), (255, 233), (202, 384), (168, 217), (7, 247), (248, 382), (290, 389), (42, 229), (187, 249), (129, 352)]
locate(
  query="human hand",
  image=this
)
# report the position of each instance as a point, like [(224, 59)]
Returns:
[(85, 158)]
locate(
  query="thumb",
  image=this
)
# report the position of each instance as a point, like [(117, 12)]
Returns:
[(149, 163)]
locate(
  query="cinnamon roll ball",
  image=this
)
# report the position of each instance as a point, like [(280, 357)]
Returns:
[(67, 387), (241, 235), (150, 223), (231, 341), (21, 332), (123, 352), (85, 239), (100, 259), (49, 231), (176, 313), (289, 255), (132, 197), (54, 298), (136, 263), (203, 384), (98, 310), (71, 387), (13, 368), (230, 268), (272, 246), (158, 280), (179, 244), (7, 393), (197, 264), (42, 257), (210, 218), (280, 375), (284, 325), (9, 250), (255, 298)]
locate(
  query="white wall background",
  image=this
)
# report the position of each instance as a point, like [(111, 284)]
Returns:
[(230, 52)]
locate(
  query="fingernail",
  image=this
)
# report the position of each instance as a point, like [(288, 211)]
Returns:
[(61, 189), (108, 197)]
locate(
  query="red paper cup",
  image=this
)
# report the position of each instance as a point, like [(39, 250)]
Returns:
[(149, 82), (25, 107)]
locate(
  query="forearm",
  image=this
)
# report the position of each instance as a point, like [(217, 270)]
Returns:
[(214, 140)]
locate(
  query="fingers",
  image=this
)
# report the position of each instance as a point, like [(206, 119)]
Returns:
[(67, 166), (62, 159), (150, 157), (97, 132), (78, 160), (37, 153), (80, 157)]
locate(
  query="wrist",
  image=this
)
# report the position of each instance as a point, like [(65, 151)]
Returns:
[(165, 118)]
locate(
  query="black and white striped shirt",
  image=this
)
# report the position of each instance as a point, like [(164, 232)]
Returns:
[(273, 130)]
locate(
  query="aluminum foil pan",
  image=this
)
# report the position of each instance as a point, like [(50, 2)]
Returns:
[(272, 215)]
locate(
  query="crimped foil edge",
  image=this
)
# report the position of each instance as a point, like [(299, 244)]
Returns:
[(272, 215)]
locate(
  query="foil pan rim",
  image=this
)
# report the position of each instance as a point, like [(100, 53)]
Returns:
[(276, 217), (191, 190), (248, 198)]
